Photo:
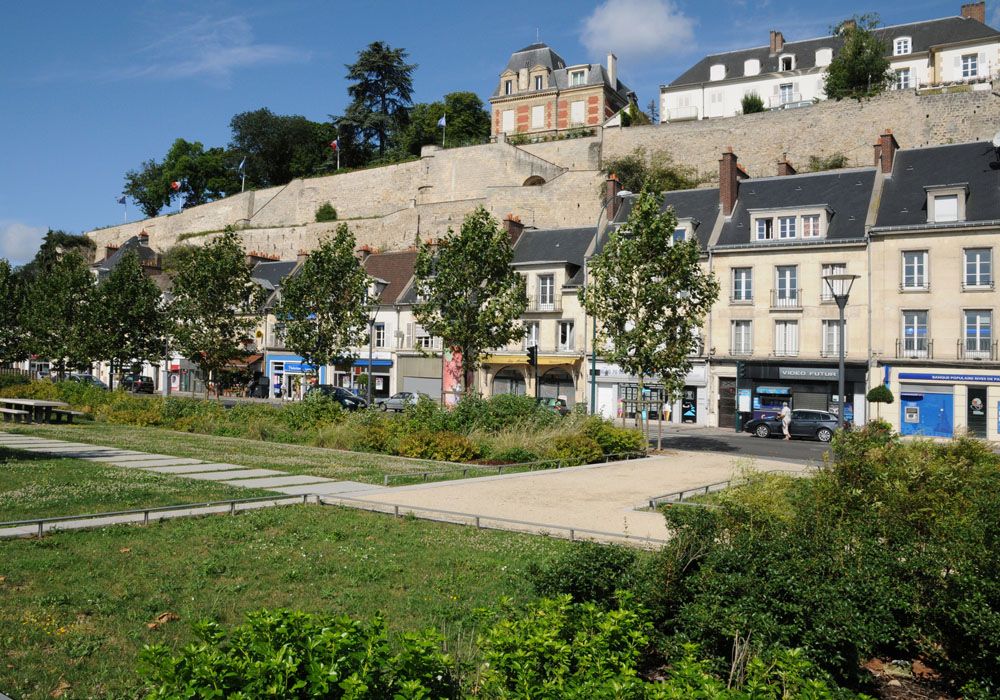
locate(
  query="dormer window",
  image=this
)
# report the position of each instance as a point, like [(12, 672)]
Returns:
[(946, 204), (577, 78), (902, 46), (789, 224), (717, 72), (508, 87), (539, 82), (751, 67), (824, 57), (786, 63), (765, 228)]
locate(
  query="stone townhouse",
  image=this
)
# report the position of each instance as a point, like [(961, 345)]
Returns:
[(790, 74)]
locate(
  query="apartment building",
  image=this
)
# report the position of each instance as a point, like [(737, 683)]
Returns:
[(788, 74)]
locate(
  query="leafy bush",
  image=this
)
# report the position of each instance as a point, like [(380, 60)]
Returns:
[(752, 103), (441, 446), (834, 161), (285, 654), (576, 449), (611, 438), (586, 572), (880, 394), (514, 455), (316, 409), (44, 390), (326, 212), (8, 380)]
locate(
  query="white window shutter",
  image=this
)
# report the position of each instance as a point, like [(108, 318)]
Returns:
[(776, 88), (409, 335)]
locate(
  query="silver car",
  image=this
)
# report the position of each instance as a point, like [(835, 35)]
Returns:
[(399, 401)]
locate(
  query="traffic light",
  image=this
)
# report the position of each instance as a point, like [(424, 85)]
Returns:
[(741, 370), (533, 356)]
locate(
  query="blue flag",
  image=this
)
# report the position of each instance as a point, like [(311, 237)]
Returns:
[(441, 121), (121, 200), (242, 164)]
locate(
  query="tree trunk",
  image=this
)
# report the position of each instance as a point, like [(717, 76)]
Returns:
[(111, 375)]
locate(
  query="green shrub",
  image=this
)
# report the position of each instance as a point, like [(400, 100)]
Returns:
[(42, 389), (576, 449), (752, 103), (611, 438), (514, 455), (586, 572), (8, 380), (326, 212), (284, 654), (880, 394), (441, 446), (314, 410)]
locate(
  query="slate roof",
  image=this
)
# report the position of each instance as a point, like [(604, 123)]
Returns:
[(535, 55), (133, 244), (270, 275), (396, 268), (541, 54), (924, 35), (562, 245), (700, 205), (847, 193), (904, 199)]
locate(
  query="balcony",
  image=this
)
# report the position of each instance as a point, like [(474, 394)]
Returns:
[(982, 286), (914, 349), (786, 299), (537, 306), (681, 114), (976, 349), (915, 287), (786, 99), (741, 349)]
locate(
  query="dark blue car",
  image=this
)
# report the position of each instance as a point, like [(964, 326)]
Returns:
[(814, 425)]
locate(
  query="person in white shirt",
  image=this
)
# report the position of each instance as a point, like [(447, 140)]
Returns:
[(786, 419)]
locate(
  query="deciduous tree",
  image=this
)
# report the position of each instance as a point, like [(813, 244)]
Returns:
[(861, 68), (471, 297), (202, 175), (655, 171), (279, 148), (148, 187), (649, 295), (12, 340)]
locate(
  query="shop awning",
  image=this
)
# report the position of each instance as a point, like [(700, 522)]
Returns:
[(522, 359), (375, 363), (245, 361)]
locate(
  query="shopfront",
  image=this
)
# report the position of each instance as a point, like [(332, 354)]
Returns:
[(816, 387), (942, 404), (289, 375), (381, 371), (617, 395)]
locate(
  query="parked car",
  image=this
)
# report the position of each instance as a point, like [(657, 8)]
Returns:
[(137, 383), (805, 424), (347, 400), (87, 379), (556, 405), (400, 400)]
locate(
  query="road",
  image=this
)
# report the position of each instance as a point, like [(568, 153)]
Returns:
[(733, 443)]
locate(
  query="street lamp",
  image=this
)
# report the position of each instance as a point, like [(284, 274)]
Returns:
[(624, 194), (374, 296), (840, 288)]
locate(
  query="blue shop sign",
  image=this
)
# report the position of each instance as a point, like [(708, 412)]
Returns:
[(973, 378), (773, 390)]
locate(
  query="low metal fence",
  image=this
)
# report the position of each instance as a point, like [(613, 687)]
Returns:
[(679, 497)]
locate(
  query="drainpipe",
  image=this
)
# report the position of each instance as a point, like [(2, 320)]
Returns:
[(868, 379)]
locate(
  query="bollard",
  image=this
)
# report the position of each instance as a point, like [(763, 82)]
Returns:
[(385, 480), (572, 535), (232, 507), (477, 523), (395, 510), (40, 526), (145, 517)]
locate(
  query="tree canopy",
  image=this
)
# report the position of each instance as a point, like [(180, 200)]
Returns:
[(654, 171), (12, 341), (382, 93), (466, 122), (279, 148), (861, 68)]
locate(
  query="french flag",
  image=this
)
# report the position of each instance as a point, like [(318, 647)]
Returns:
[(334, 145)]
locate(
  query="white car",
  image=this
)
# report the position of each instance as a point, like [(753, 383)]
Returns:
[(399, 401)]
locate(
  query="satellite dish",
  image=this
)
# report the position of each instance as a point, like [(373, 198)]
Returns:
[(996, 140)]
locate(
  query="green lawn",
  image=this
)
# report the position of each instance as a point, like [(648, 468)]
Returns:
[(295, 459), (35, 486), (76, 607)]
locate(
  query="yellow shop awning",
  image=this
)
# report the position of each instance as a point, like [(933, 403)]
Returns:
[(522, 359)]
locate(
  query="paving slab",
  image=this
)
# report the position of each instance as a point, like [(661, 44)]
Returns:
[(271, 483), (234, 474), (194, 468), (127, 460), (168, 462), (324, 489)]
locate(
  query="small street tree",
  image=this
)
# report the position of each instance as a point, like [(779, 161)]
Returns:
[(879, 395), (12, 341), (324, 305), (215, 305), (650, 296), (861, 68), (129, 318), (471, 297), (58, 312)]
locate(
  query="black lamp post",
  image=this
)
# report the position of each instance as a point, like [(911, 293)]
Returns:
[(375, 296), (840, 288)]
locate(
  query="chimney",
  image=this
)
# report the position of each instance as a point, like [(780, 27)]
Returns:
[(143, 237), (784, 167), (730, 174), (302, 256), (363, 252), (612, 186), (777, 41), (613, 69), (513, 226), (886, 151), (975, 10), (109, 250)]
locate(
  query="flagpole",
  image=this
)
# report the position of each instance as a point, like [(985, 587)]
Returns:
[(243, 183), (125, 204)]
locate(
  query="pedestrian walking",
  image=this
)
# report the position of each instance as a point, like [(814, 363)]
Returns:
[(786, 419)]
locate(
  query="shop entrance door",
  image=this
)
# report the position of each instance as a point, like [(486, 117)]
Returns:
[(976, 411), (727, 403)]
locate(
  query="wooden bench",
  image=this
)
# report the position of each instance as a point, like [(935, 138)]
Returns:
[(14, 414), (58, 414)]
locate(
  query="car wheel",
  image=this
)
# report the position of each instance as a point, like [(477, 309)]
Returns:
[(824, 434), (762, 431), (382, 406)]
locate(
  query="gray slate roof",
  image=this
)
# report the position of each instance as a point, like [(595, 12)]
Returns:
[(700, 205), (535, 55), (924, 35), (904, 199), (847, 193), (143, 252), (541, 54), (271, 274), (561, 245)]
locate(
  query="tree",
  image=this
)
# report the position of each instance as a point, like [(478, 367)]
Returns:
[(55, 245), (12, 341), (215, 304), (279, 148), (203, 175), (148, 187), (649, 296), (655, 171), (633, 116), (324, 304), (129, 318), (752, 103), (861, 68), (653, 109), (472, 297), (466, 122), (58, 312), (879, 395), (381, 93)]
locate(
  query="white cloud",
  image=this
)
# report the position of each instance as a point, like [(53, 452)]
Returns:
[(19, 242), (635, 29)]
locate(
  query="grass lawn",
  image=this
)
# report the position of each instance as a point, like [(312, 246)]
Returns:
[(295, 459), (36, 486), (75, 607)]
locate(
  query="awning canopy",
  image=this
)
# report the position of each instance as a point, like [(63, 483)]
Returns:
[(245, 361), (543, 360)]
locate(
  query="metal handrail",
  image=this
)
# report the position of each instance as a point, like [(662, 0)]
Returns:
[(923, 351), (679, 496)]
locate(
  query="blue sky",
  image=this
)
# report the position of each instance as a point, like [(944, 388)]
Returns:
[(91, 90)]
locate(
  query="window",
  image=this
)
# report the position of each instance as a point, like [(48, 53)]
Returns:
[(785, 93), (422, 339), (566, 336), (546, 292), (915, 270), (508, 87), (946, 207), (742, 284), (765, 229), (826, 270), (576, 112), (717, 72), (538, 117), (978, 268), (751, 66), (978, 333), (787, 63), (539, 82), (680, 235), (915, 332), (786, 227), (786, 338), (901, 46), (379, 335), (577, 78), (903, 79), (831, 338), (531, 337), (810, 226), (742, 337), (970, 65), (508, 121), (786, 285)]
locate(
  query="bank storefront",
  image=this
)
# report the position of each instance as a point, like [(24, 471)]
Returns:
[(288, 375), (618, 394), (944, 404), (763, 388)]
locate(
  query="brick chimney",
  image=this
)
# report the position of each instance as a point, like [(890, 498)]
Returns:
[(513, 226), (777, 41), (784, 167), (143, 237), (885, 151), (612, 186), (301, 256), (975, 10), (363, 252), (730, 174)]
